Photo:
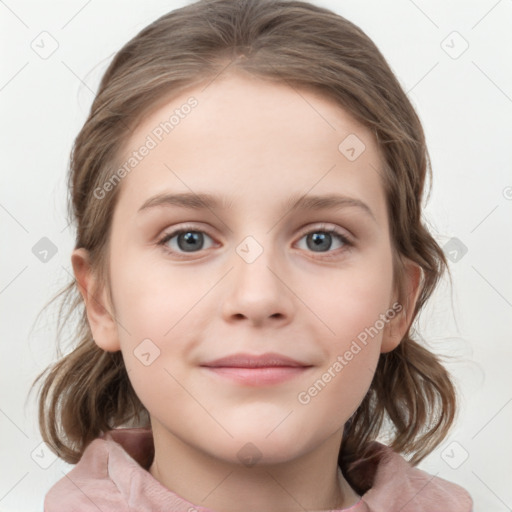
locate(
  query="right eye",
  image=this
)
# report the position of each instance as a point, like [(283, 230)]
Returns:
[(186, 239)]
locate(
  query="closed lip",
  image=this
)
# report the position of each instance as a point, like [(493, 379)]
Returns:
[(242, 360)]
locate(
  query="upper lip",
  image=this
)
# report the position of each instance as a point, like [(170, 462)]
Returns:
[(254, 361)]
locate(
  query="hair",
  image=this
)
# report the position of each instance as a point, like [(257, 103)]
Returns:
[(87, 392)]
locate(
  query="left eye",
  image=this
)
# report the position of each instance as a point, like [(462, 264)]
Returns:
[(319, 239)]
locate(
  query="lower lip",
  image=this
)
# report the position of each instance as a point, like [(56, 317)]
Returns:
[(258, 376)]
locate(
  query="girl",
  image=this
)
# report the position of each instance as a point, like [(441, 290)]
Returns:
[(256, 370)]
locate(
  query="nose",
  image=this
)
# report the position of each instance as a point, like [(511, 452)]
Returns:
[(258, 292)]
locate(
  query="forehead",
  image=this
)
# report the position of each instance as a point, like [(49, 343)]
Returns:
[(243, 136), (248, 103)]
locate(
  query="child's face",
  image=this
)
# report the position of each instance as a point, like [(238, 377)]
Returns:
[(254, 282)]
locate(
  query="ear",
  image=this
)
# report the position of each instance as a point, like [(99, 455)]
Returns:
[(101, 321), (399, 324)]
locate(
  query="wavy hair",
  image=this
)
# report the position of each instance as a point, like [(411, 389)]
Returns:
[(87, 391)]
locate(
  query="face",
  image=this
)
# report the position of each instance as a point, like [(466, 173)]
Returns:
[(250, 272)]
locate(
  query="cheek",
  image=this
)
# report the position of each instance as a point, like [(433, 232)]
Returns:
[(154, 311), (355, 311), (354, 299), (339, 386), (152, 302)]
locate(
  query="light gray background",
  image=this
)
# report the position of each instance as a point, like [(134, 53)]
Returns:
[(465, 103)]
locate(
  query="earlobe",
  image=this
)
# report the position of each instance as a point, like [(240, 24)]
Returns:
[(101, 321), (397, 326)]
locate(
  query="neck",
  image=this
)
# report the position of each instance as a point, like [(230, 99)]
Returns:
[(310, 482)]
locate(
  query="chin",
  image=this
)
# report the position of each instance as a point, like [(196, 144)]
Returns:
[(255, 446)]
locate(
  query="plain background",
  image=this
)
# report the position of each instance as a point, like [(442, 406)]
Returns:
[(452, 58)]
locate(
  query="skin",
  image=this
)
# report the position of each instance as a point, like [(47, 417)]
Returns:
[(257, 143)]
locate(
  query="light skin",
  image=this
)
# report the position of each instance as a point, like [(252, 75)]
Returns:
[(256, 144)]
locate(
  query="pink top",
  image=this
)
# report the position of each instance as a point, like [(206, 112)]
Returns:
[(113, 476)]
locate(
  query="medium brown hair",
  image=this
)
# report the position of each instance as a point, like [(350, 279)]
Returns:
[(87, 392)]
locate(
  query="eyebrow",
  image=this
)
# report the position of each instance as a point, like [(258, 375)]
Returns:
[(201, 201)]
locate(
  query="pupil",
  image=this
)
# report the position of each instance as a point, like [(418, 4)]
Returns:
[(190, 237), (320, 241)]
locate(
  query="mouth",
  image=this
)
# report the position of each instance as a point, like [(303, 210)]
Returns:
[(256, 370)]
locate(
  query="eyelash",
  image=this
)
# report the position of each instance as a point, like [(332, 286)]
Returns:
[(322, 228)]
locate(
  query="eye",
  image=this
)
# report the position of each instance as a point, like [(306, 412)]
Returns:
[(187, 239), (321, 239), (190, 239)]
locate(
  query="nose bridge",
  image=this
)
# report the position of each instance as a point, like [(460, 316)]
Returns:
[(255, 262), (257, 291)]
